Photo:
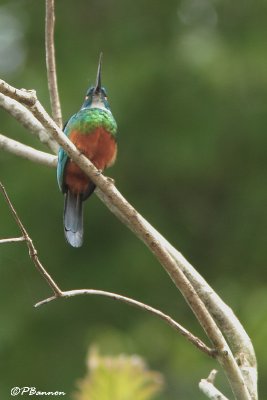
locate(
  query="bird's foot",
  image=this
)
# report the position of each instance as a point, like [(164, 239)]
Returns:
[(99, 172), (111, 180)]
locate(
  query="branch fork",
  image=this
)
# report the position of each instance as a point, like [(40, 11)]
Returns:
[(207, 387)]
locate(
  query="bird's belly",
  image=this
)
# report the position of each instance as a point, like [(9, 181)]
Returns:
[(100, 147)]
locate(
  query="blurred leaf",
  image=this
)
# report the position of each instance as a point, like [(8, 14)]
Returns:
[(118, 378)]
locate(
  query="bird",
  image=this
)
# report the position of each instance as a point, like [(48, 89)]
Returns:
[(93, 130)]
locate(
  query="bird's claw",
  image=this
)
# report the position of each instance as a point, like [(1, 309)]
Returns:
[(111, 180), (99, 172)]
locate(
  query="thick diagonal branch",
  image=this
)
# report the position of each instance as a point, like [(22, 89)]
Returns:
[(223, 315), (224, 356)]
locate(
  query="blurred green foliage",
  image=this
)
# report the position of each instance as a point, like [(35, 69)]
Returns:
[(117, 377), (187, 84)]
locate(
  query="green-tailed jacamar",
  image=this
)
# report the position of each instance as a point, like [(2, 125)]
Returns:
[(93, 130)]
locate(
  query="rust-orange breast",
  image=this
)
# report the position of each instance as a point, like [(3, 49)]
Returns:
[(100, 147)]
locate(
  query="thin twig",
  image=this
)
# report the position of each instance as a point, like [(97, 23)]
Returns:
[(21, 150), (12, 240), (207, 387), (51, 62), (32, 250), (184, 332)]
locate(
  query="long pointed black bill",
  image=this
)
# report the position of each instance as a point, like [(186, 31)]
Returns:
[(98, 75)]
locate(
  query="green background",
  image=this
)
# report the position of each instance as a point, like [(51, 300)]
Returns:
[(187, 85)]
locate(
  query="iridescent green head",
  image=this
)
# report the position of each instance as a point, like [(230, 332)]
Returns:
[(96, 96)]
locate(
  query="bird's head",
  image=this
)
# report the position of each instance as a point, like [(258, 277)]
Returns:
[(96, 96)]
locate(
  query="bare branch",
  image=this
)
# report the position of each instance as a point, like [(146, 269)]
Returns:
[(66, 294), (51, 62), (227, 321), (207, 387), (224, 354), (32, 250), (26, 119), (12, 240), (223, 315), (184, 332), (21, 150)]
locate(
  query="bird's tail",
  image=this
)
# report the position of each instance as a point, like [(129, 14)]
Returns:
[(73, 219)]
